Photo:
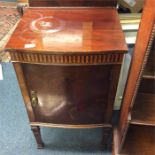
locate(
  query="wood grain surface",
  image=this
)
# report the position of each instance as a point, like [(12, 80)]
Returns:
[(72, 30)]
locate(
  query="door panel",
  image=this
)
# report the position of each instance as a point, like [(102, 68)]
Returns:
[(69, 94)]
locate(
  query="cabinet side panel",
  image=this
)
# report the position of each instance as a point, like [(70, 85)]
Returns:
[(21, 80)]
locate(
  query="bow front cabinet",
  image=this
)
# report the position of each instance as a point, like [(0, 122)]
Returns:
[(67, 61)]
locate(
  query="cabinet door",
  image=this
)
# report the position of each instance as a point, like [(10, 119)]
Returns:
[(70, 94)]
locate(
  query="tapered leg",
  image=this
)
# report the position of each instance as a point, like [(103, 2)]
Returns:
[(37, 135)]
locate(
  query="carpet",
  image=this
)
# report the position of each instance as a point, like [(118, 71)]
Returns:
[(8, 17), (16, 137)]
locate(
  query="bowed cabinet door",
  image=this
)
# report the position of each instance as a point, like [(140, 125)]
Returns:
[(77, 95)]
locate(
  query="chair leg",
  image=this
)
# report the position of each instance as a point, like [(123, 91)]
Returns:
[(37, 135)]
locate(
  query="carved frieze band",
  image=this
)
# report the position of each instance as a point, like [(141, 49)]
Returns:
[(66, 58)]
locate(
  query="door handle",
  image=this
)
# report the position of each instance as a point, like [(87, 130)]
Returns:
[(34, 98)]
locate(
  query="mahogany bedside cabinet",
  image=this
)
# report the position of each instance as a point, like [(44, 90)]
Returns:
[(67, 61)]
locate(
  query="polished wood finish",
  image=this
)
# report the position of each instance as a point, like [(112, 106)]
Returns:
[(142, 47), (149, 72), (48, 3), (79, 94), (144, 109), (68, 31), (37, 135), (68, 126), (68, 62), (24, 90), (136, 131), (140, 140), (141, 113), (66, 59)]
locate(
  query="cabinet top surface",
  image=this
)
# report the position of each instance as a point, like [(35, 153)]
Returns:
[(68, 30)]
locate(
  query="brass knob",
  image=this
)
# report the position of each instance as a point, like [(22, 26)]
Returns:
[(34, 98)]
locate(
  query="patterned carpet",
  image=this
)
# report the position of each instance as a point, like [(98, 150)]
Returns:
[(8, 17)]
